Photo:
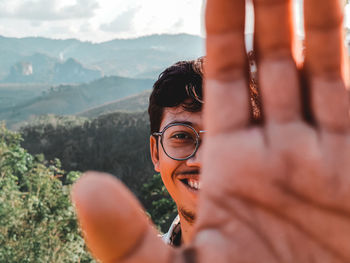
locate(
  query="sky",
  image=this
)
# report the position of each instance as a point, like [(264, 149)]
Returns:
[(103, 20), (99, 20)]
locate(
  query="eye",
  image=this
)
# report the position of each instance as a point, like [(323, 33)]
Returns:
[(182, 136)]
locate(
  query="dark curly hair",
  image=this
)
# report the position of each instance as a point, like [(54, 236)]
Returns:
[(171, 90), (174, 85)]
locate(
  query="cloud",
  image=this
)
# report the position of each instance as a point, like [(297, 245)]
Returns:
[(85, 28), (122, 23), (36, 23), (48, 10), (98, 20), (179, 24), (82, 9)]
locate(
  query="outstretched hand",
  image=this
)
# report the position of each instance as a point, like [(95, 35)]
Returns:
[(274, 192)]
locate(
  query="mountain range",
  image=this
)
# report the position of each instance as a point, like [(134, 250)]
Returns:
[(40, 76), (142, 57), (40, 68)]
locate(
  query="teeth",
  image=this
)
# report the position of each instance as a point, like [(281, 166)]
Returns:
[(194, 184)]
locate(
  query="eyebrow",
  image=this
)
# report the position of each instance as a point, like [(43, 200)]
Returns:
[(178, 121)]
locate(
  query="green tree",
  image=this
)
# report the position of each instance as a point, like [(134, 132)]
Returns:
[(37, 220), (159, 205)]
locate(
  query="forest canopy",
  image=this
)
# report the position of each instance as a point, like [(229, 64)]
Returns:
[(37, 219)]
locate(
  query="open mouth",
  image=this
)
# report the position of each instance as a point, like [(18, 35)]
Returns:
[(191, 183)]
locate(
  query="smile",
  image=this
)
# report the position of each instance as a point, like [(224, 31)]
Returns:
[(192, 183)]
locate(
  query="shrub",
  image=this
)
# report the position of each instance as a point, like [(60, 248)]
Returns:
[(161, 207), (37, 220)]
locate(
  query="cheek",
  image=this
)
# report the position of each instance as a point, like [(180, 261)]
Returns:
[(167, 168)]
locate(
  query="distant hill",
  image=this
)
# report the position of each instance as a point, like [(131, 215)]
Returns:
[(138, 102), (13, 94), (72, 71), (72, 99), (40, 68), (139, 57)]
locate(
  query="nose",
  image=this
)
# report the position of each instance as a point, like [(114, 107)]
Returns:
[(195, 160)]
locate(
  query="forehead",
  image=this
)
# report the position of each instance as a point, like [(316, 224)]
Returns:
[(178, 114)]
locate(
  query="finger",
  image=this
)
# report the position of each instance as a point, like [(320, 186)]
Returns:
[(325, 63), (226, 85), (274, 45), (114, 225)]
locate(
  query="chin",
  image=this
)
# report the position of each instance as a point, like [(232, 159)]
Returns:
[(188, 215)]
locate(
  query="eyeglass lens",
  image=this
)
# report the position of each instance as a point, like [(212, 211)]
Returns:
[(179, 141)]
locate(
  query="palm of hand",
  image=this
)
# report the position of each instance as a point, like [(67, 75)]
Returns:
[(278, 198)]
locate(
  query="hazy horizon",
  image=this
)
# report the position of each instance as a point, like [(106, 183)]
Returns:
[(117, 38), (99, 21)]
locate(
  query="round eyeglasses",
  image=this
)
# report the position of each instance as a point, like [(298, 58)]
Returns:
[(180, 141)]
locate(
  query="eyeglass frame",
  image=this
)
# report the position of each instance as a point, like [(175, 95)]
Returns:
[(182, 124)]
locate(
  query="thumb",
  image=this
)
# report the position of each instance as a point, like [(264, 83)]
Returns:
[(114, 225)]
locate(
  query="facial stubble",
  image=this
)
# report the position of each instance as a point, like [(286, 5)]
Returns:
[(189, 216)]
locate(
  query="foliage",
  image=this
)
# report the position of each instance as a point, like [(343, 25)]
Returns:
[(162, 209), (37, 220), (116, 143)]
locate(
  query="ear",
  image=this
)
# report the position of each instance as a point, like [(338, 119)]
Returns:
[(154, 152)]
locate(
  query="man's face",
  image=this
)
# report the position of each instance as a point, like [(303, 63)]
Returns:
[(179, 177)]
